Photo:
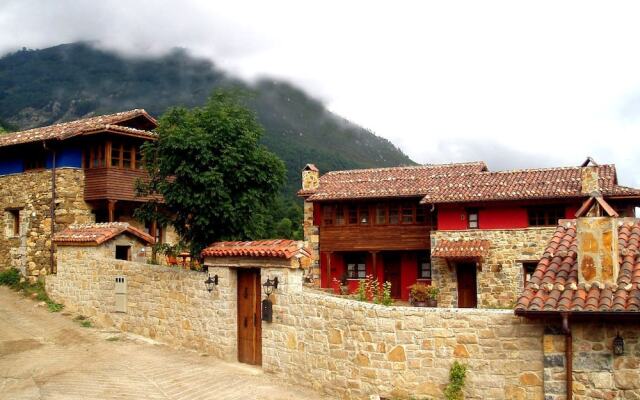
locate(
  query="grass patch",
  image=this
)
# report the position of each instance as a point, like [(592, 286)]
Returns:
[(113, 339), (12, 278), (86, 324)]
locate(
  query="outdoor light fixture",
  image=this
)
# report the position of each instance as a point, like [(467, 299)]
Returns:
[(211, 282), (269, 285), (618, 345)]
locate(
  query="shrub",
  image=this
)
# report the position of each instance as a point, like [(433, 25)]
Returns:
[(457, 375), (419, 292), (10, 277)]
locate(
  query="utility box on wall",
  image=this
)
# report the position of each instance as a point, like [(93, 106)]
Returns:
[(121, 294)]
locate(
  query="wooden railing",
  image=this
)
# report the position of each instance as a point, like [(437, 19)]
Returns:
[(111, 183), (371, 237)]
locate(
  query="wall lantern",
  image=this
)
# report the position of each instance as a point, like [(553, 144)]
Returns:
[(270, 285), (618, 345), (211, 282)]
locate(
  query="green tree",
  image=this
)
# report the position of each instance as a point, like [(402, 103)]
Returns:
[(216, 179)]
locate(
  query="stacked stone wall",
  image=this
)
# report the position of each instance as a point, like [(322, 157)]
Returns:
[(30, 194), (168, 304), (311, 234), (500, 277)]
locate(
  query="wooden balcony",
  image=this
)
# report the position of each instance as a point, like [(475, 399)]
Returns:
[(112, 184), (368, 237)]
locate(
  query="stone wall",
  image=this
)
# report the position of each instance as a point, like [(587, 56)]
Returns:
[(167, 304), (30, 193), (500, 278), (352, 349), (311, 234)]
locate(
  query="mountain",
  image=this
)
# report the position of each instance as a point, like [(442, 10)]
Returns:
[(70, 81)]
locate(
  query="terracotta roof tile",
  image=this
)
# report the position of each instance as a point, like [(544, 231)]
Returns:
[(279, 248), (526, 184), (554, 284), (388, 182), (95, 234), (66, 130), (461, 249), (466, 182)]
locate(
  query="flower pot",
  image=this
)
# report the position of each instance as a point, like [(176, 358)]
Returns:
[(172, 260), (432, 303), (419, 303)]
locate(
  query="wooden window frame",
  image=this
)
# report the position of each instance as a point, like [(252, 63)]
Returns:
[(424, 256), (470, 212), (128, 250), (526, 265), (545, 215), (359, 263), (352, 213), (15, 216)]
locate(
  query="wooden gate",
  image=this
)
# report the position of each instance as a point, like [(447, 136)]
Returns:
[(249, 318)]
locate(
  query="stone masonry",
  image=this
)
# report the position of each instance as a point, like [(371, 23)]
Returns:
[(500, 278), (29, 194)]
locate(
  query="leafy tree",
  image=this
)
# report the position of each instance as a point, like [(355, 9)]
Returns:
[(216, 179)]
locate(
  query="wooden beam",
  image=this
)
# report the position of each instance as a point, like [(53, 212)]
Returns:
[(111, 208)]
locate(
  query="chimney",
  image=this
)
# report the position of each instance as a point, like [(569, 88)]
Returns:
[(589, 179), (310, 178), (597, 239)]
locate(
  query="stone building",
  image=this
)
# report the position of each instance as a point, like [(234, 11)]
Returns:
[(475, 234), (77, 172)]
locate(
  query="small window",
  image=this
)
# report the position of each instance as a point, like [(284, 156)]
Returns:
[(528, 268), (12, 221), (116, 154), (545, 216), (34, 162), (421, 215), (356, 267), (407, 213), (126, 156), (394, 214), (363, 214), (138, 157), (472, 218), (327, 215), (381, 214), (339, 214), (123, 253), (353, 214), (424, 265)]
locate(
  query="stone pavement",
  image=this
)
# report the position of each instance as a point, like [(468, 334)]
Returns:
[(50, 356)]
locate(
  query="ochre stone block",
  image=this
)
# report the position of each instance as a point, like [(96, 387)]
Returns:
[(397, 354)]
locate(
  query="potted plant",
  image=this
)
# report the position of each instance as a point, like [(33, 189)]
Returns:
[(170, 252), (421, 295)]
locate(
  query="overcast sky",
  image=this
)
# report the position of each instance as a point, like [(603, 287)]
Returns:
[(517, 84)]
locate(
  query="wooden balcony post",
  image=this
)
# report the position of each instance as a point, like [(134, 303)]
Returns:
[(329, 256), (111, 207), (374, 263)]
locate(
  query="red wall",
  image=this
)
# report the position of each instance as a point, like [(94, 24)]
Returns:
[(452, 219), (490, 217), (500, 218)]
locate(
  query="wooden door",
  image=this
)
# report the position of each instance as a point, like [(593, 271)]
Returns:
[(467, 286), (392, 273), (249, 318)]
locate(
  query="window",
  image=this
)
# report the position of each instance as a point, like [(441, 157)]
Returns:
[(472, 219), (356, 267), (35, 161), (155, 230), (339, 214), (353, 214), (545, 216), (327, 215), (394, 214), (421, 215), (12, 223), (95, 157), (381, 213), (363, 214), (123, 253), (116, 154), (407, 213), (126, 156), (528, 268), (138, 157), (424, 265)]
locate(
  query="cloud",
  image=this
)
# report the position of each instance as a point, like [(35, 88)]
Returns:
[(519, 84)]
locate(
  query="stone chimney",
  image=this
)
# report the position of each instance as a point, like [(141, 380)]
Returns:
[(598, 253), (310, 183), (310, 177), (589, 179)]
